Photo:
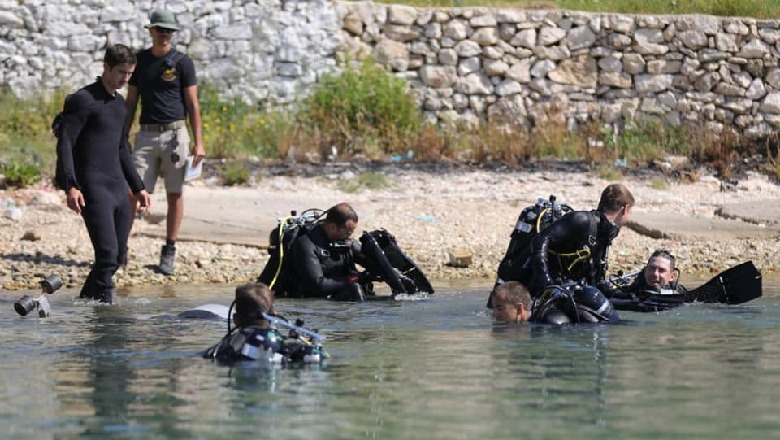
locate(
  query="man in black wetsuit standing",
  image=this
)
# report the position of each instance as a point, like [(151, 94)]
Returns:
[(166, 83), (324, 258), (94, 168)]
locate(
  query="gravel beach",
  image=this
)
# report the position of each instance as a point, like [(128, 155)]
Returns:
[(431, 214)]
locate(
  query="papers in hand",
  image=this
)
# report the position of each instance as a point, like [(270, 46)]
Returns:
[(191, 172)]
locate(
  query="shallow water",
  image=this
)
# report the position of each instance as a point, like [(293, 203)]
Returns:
[(434, 369)]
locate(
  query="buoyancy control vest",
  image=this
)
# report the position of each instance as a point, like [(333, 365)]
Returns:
[(531, 221), (572, 304)]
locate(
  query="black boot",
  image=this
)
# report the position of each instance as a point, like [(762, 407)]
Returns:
[(167, 257), (107, 297), (88, 289)]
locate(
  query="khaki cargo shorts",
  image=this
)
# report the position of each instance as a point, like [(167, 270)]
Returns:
[(162, 154)]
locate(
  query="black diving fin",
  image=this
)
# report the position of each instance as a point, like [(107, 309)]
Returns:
[(736, 285), (387, 262)]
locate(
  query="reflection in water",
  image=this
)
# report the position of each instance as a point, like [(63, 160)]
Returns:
[(435, 369)]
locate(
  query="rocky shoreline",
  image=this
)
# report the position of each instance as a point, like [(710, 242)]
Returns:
[(432, 214)]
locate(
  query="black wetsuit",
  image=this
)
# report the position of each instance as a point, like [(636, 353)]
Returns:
[(640, 297), (93, 156), (573, 248), (161, 83), (321, 268)]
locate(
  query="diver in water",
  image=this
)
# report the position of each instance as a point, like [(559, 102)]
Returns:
[(313, 255), (567, 266), (570, 304), (254, 338), (659, 274), (655, 288), (323, 259)]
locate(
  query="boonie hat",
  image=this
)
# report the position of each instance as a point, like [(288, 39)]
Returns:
[(163, 19)]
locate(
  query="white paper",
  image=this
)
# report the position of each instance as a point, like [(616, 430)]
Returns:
[(191, 172)]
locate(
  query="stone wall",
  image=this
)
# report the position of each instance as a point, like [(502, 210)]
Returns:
[(518, 64), (261, 50), (465, 64)]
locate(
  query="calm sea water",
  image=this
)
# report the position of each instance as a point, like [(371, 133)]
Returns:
[(434, 369)]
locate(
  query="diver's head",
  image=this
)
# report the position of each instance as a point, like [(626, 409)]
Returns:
[(511, 303), (616, 203), (660, 271), (340, 222), (252, 300)]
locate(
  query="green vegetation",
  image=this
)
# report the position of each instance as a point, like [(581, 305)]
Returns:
[(363, 109), (235, 173), (234, 129), (746, 8), (366, 180), (20, 175), (368, 114), (26, 140)]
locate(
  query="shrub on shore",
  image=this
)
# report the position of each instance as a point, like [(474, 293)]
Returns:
[(368, 114), (26, 138)]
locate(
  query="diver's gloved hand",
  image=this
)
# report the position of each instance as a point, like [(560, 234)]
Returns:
[(409, 285)]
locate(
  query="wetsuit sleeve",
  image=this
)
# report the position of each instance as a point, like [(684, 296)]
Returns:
[(572, 228), (128, 168), (308, 267), (75, 115)]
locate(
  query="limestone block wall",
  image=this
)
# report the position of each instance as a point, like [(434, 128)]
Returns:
[(260, 50), (468, 64), (478, 64)]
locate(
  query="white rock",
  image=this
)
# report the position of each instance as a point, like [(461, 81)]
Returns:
[(14, 214)]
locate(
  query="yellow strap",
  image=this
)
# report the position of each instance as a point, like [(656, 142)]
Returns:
[(539, 219), (581, 254), (282, 228)]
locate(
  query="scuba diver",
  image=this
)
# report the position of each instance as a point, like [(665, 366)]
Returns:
[(656, 287), (512, 304), (324, 258), (255, 338), (312, 257), (566, 261)]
